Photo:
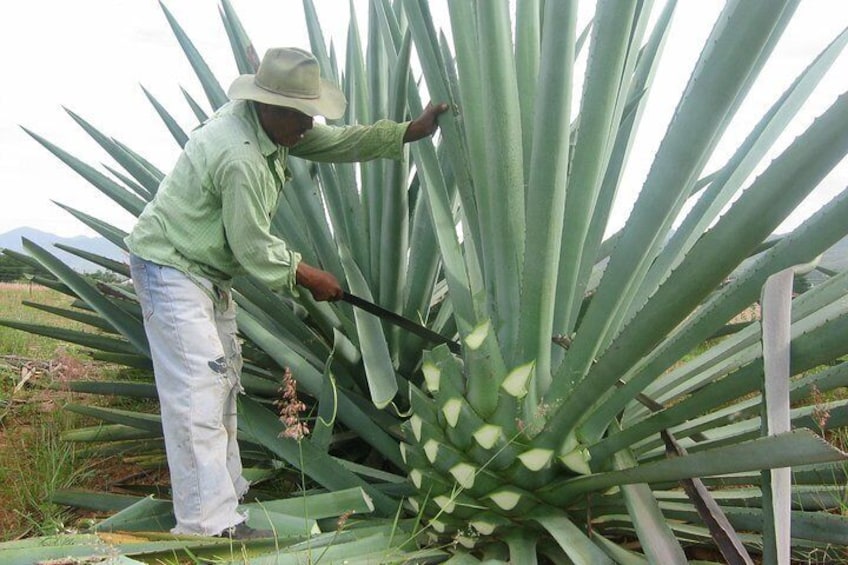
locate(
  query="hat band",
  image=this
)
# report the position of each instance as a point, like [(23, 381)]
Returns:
[(290, 94)]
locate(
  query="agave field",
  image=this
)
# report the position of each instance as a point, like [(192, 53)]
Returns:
[(592, 415)]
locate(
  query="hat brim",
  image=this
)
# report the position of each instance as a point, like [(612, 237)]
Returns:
[(331, 103)]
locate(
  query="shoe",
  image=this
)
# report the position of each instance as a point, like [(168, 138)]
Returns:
[(244, 532)]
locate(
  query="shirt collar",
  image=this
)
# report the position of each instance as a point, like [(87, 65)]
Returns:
[(266, 146)]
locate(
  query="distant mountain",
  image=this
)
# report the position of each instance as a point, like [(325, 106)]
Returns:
[(836, 258), (97, 245)]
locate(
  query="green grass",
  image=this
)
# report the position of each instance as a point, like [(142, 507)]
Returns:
[(34, 461), (40, 464), (18, 343)]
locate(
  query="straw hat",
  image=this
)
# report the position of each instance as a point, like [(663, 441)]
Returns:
[(290, 77)]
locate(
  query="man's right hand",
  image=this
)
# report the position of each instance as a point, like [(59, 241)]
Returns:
[(321, 284)]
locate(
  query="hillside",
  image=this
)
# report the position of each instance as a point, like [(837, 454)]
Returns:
[(98, 245)]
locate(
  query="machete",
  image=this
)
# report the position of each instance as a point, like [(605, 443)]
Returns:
[(400, 321)]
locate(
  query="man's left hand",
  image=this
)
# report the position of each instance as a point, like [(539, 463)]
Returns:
[(426, 124)]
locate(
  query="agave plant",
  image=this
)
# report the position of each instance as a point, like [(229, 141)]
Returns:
[(602, 407)]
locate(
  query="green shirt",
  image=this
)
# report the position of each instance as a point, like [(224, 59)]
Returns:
[(212, 214)]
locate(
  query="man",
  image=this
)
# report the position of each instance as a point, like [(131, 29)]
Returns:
[(209, 221)]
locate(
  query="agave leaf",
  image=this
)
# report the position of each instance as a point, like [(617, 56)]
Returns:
[(82, 547), (657, 539), (214, 93), (72, 336), (600, 109), (461, 159), (114, 388), (580, 549), (199, 113), (804, 497), (648, 61), (503, 243), (354, 416), (807, 352), (129, 326), (245, 55), (777, 485), (105, 262), (317, 43), (117, 152), (177, 132), (548, 172), (145, 515), (521, 549), (301, 220), (802, 417), (108, 432), (528, 35), (372, 86), (343, 207), (104, 184), (150, 167), (141, 420), (792, 448), (723, 534), (108, 231), (353, 547), (438, 202), (75, 315), (382, 383), (731, 54), (618, 553), (276, 316), (318, 506), (263, 426), (813, 237), (129, 360), (424, 262), (25, 259), (740, 166), (99, 501), (327, 407), (802, 389), (753, 216), (394, 220), (813, 526), (807, 303), (622, 315)]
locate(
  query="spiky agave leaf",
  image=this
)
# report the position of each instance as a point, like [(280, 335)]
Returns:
[(580, 443)]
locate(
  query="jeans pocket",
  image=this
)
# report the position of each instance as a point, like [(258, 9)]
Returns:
[(140, 271)]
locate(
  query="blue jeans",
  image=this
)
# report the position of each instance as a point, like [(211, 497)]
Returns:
[(191, 327)]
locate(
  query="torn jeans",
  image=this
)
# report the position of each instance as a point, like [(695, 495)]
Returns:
[(191, 328)]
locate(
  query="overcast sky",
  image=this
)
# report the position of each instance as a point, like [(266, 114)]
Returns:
[(91, 56)]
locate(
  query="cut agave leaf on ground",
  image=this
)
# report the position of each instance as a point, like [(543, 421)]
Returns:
[(78, 549), (319, 506), (146, 515)]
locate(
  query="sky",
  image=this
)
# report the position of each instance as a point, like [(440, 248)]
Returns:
[(93, 56)]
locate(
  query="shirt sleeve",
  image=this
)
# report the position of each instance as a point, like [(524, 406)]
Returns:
[(352, 143), (248, 199)]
